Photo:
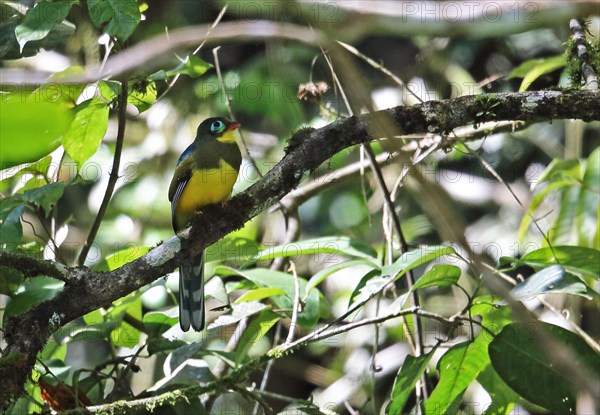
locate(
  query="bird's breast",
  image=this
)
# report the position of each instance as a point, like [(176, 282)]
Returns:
[(205, 187)]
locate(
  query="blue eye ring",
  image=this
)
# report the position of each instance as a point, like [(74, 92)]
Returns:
[(216, 126)]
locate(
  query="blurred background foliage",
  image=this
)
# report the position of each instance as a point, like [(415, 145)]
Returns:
[(133, 348)]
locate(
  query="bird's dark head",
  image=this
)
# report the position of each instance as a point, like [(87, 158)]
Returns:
[(218, 127)]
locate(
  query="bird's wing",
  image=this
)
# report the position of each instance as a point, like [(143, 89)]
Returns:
[(182, 176)]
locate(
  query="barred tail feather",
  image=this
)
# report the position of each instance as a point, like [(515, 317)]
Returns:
[(191, 294)]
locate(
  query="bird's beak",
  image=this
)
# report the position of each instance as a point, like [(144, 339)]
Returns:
[(233, 125)]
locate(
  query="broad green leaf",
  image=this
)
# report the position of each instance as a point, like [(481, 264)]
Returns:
[(553, 279), (238, 312), (45, 196), (68, 93), (142, 96), (41, 19), (503, 397), (533, 69), (122, 257), (30, 129), (259, 294), (576, 259), (262, 277), (109, 90), (371, 283), (12, 15), (494, 312), (35, 291), (329, 245), (11, 229), (589, 200), (439, 276), (192, 65), (564, 231), (411, 371), (320, 276), (53, 350), (111, 320), (85, 133), (157, 322), (535, 203), (559, 169), (519, 357), (414, 258), (158, 345), (37, 169), (257, 328), (458, 368), (31, 400), (120, 16)]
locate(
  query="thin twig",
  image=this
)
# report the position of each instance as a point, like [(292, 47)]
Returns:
[(271, 362), (389, 205), (379, 66), (230, 111), (114, 175), (208, 30), (296, 307)]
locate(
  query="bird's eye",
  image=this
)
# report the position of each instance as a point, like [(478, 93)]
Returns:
[(216, 126)]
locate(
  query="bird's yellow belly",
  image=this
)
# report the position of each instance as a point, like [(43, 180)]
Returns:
[(205, 187)]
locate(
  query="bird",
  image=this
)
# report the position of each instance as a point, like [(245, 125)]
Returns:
[(204, 174)]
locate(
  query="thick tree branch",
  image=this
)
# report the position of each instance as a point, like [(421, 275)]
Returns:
[(26, 334)]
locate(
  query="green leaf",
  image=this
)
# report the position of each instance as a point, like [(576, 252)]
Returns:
[(576, 259), (331, 245), (11, 230), (259, 294), (535, 203), (238, 312), (161, 345), (550, 280), (45, 196), (257, 328), (192, 65), (559, 169), (458, 368), (414, 258), (439, 276), (320, 276), (520, 358), (411, 371), (262, 277), (589, 200), (494, 312), (157, 322), (121, 257), (368, 285), (564, 230), (35, 291), (110, 321), (85, 133), (109, 90), (503, 397), (120, 16), (53, 350), (41, 19), (142, 96), (532, 69), (30, 129)]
